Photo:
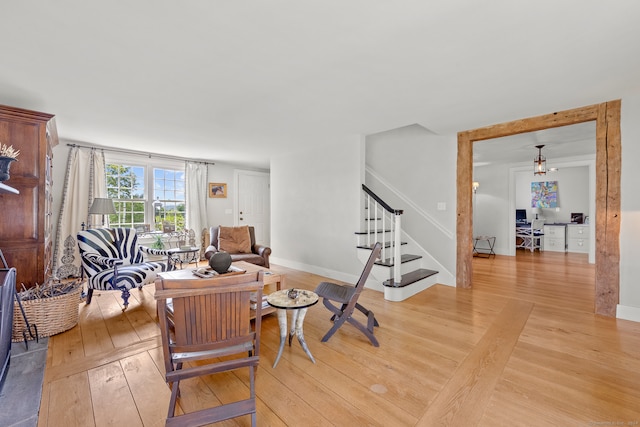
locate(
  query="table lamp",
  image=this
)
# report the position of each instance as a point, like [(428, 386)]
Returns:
[(535, 211), (102, 206)]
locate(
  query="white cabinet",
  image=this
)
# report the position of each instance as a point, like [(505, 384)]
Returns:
[(554, 238), (578, 238)]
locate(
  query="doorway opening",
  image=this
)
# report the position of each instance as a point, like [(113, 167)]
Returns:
[(608, 163)]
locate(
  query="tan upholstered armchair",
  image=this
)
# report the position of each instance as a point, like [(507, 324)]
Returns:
[(240, 246)]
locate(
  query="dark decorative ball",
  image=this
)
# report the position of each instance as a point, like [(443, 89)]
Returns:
[(293, 294), (220, 262)]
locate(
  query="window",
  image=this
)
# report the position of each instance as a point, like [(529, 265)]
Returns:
[(169, 203), (147, 192)]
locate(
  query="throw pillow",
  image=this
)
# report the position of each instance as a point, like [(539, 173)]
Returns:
[(235, 240)]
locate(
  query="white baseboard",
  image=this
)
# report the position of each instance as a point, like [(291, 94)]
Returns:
[(331, 274), (628, 313)]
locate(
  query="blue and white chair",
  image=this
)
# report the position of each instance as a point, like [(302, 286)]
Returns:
[(531, 238), (112, 260)]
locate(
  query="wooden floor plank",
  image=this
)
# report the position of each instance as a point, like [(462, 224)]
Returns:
[(72, 393), (111, 397), (66, 347), (120, 329), (463, 399), (148, 388), (53, 373), (95, 335)]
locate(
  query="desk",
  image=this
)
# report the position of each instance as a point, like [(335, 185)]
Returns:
[(484, 250), (282, 301)]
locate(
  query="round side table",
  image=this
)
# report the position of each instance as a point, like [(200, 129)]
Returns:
[(297, 300)]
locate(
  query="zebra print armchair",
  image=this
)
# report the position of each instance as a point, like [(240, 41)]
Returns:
[(112, 260)]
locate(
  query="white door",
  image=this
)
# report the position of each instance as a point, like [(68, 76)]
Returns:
[(253, 203)]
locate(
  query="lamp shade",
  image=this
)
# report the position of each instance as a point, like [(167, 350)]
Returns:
[(102, 206), (475, 185)]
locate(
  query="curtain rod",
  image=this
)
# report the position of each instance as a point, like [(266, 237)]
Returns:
[(139, 153)]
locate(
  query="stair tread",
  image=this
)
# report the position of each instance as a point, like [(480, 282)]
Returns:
[(372, 232), (403, 258), (411, 277), (386, 245)]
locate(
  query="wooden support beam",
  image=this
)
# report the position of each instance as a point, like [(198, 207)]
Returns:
[(608, 165)]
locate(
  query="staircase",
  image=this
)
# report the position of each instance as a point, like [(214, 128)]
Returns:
[(383, 224)]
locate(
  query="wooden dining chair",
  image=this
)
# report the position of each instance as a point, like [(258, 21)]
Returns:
[(346, 298), (203, 320)]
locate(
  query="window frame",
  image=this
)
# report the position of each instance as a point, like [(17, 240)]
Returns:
[(148, 164)]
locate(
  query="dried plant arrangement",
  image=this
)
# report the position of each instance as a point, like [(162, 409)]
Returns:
[(48, 290), (8, 151)]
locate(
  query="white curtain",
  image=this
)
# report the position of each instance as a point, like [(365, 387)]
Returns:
[(197, 178), (84, 180)]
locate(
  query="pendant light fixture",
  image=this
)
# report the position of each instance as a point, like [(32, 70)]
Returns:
[(539, 162)]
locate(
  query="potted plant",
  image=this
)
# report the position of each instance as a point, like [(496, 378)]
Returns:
[(158, 243), (7, 155)]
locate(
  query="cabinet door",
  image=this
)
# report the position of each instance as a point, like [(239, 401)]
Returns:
[(578, 232), (554, 238), (578, 245), (25, 229)]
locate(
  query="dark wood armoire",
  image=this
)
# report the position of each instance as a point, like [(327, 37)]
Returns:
[(26, 219)]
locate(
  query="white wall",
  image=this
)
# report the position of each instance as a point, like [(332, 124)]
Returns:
[(573, 193), (222, 211), (494, 214), (315, 197), (405, 169), (629, 307), (491, 212)]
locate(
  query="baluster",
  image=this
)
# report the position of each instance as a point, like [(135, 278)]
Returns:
[(383, 253), (397, 276)]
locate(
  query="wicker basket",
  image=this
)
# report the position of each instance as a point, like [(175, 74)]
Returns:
[(51, 315)]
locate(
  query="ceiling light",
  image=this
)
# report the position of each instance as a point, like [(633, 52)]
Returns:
[(539, 162)]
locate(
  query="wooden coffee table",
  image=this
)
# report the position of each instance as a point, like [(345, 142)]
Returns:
[(271, 279)]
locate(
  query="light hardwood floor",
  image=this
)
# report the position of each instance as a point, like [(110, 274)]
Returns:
[(522, 348)]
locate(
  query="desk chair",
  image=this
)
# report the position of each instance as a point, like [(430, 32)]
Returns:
[(209, 318), (531, 236)]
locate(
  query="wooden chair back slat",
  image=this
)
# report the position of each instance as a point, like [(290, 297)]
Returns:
[(209, 318)]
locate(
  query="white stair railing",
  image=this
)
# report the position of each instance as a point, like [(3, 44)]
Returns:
[(381, 217)]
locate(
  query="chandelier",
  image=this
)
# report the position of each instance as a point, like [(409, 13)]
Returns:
[(539, 162)]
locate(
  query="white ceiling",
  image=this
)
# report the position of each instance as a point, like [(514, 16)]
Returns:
[(239, 81), (558, 143)]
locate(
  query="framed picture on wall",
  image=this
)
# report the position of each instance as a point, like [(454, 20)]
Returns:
[(218, 190), (544, 194)]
